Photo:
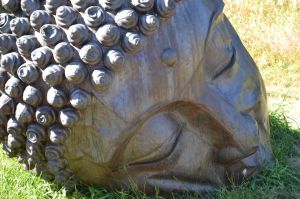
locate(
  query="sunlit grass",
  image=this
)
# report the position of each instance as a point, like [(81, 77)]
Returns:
[(270, 30)]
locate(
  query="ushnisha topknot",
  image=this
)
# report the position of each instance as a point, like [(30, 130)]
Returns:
[(49, 55)]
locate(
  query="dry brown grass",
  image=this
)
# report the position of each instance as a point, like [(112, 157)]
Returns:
[(270, 30)]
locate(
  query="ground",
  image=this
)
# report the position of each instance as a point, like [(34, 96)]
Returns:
[(271, 32)]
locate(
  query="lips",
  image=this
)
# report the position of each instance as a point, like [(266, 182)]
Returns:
[(242, 168)]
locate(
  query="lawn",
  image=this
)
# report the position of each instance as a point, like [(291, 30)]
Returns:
[(271, 32)]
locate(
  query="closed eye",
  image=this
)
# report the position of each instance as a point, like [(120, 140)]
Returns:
[(227, 66), (175, 140)]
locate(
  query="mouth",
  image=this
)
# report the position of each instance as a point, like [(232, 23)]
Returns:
[(242, 168)]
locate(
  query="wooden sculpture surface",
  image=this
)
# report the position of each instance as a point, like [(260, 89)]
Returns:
[(161, 93)]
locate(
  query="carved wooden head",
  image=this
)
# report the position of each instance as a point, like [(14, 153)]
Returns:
[(157, 92)]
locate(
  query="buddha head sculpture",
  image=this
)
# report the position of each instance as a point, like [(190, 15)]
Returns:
[(161, 93)]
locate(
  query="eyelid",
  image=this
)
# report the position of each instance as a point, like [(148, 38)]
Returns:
[(160, 142), (227, 66), (166, 151)]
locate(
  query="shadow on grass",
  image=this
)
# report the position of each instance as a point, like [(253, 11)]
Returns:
[(280, 181)]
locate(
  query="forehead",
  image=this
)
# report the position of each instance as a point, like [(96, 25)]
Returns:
[(146, 80)]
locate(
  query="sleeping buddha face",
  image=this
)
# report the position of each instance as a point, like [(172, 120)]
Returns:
[(160, 93)]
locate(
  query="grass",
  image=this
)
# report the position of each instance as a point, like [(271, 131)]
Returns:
[(271, 32), (280, 181)]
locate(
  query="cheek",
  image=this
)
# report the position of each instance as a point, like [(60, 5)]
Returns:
[(197, 158)]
